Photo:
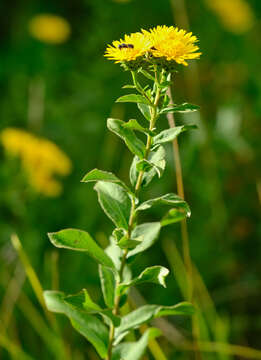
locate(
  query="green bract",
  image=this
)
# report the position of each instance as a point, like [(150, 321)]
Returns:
[(103, 325)]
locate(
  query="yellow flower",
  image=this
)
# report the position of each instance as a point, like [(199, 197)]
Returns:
[(49, 28), (41, 159), (173, 44), (130, 48), (236, 15)]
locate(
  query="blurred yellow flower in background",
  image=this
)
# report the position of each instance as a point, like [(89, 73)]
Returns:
[(51, 29), (172, 43), (236, 15), (41, 159)]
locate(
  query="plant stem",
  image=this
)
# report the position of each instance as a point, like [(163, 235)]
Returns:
[(132, 213)]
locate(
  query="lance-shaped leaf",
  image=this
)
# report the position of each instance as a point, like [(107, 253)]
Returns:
[(147, 74), (146, 313), (133, 98), (134, 144), (83, 302), (145, 110), (87, 325), (183, 108), (148, 233), (133, 124), (115, 202), (174, 215), (101, 175), (155, 165), (115, 253), (167, 199), (80, 240), (170, 134), (126, 243), (128, 86), (153, 274), (135, 350), (108, 285)]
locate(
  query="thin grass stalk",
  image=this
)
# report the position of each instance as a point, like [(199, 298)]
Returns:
[(32, 277), (15, 351), (50, 339), (180, 190)]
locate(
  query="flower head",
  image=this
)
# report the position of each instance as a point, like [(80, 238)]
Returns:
[(51, 29), (41, 159), (172, 44), (130, 48)]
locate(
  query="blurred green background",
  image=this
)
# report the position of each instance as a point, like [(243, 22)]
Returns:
[(71, 88)]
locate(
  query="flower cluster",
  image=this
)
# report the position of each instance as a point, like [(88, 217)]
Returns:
[(41, 159), (162, 44)]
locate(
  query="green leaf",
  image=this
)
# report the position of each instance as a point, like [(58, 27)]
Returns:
[(126, 243), (183, 108), (122, 239), (87, 325), (148, 312), (148, 232), (166, 101), (133, 98), (144, 165), (100, 175), (184, 308), (156, 161), (119, 233), (153, 274), (129, 87), (170, 134), (135, 350), (134, 144), (80, 240), (167, 199), (108, 285), (133, 171), (115, 202), (173, 216), (165, 85), (145, 110), (133, 124), (147, 75), (83, 301), (115, 253)]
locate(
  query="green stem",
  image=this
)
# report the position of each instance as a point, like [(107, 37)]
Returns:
[(139, 88), (153, 119)]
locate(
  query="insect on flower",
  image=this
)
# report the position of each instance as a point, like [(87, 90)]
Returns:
[(125, 46)]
